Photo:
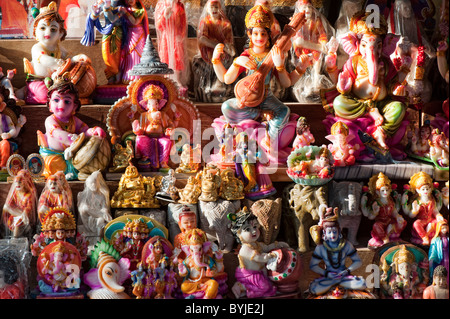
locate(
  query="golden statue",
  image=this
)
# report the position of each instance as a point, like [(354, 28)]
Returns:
[(191, 192), (210, 185), (231, 188)]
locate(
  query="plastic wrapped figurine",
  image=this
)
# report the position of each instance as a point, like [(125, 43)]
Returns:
[(415, 54), (262, 60), (168, 190), (251, 170), (68, 141), (418, 144), (124, 35), (422, 202), (5, 81), (59, 268), (94, 207), (439, 286), (252, 280), (10, 126), (342, 149), (20, 209), (366, 87), (304, 136), (190, 159), (439, 249), (153, 130), (202, 270), (107, 274), (333, 250), (214, 28), (171, 31), (439, 149), (54, 194), (381, 203), (404, 272), (135, 191), (50, 59), (310, 48)]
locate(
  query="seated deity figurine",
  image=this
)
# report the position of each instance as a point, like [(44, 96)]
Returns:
[(190, 159), (203, 267), (382, 204), (210, 185), (333, 251), (304, 136), (367, 89), (310, 45), (187, 220), (422, 202), (49, 58), (134, 244), (20, 208), (122, 156), (153, 131), (107, 274), (231, 188), (418, 140), (65, 133), (439, 148), (191, 191), (10, 126), (439, 287), (404, 272), (54, 194), (255, 61), (341, 148), (5, 81), (254, 256)]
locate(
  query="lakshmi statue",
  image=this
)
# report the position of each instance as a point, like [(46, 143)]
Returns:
[(252, 279), (65, 134), (20, 208), (257, 61), (423, 203), (202, 267), (382, 204), (333, 251), (153, 130), (366, 88), (49, 59), (124, 35)]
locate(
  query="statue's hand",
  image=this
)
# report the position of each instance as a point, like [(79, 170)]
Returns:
[(278, 57), (182, 270), (245, 62), (218, 50), (375, 208), (399, 90), (345, 82), (330, 60)]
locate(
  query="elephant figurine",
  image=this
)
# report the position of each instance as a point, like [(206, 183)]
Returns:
[(304, 201), (214, 222), (108, 273), (347, 197)]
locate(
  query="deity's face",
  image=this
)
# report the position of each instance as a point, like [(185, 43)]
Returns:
[(331, 234), (158, 249), (440, 281), (425, 132), (19, 184), (370, 46), (60, 234), (309, 11), (62, 105), (143, 235), (404, 9), (324, 161), (424, 190), (384, 192), (250, 231), (152, 104), (444, 230), (52, 234), (136, 235), (53, 186), (48, 33), (188, 222), (404, 269), (58, 256), (213, 9), (259, 37)]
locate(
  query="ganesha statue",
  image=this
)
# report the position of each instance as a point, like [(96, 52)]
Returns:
[(50, 59), (202, 270), (367, 95)]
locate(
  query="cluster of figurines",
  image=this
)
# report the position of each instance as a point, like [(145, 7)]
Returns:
[(232, 196)]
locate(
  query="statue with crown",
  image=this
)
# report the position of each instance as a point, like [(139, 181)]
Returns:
[(255, 108), (152, 114), (49, 59)]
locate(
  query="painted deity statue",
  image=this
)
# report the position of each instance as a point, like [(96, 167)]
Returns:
[(254, 256), (153, 130), (20, 208), (187, 220), (304, 136), (237, 111), (64, 132), (418, 139), (107, 274), (381, 203), (49, 57), (439, 148), (367, 88), (333, 251), (171, 31), (124, 35), (54, 195), (310, 45), (439, 287), (341, 148), (191, 191), (404, 273), (202, 267), (438, 254), (5, 81), (10, 126), (423, 203), (190, 159)]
